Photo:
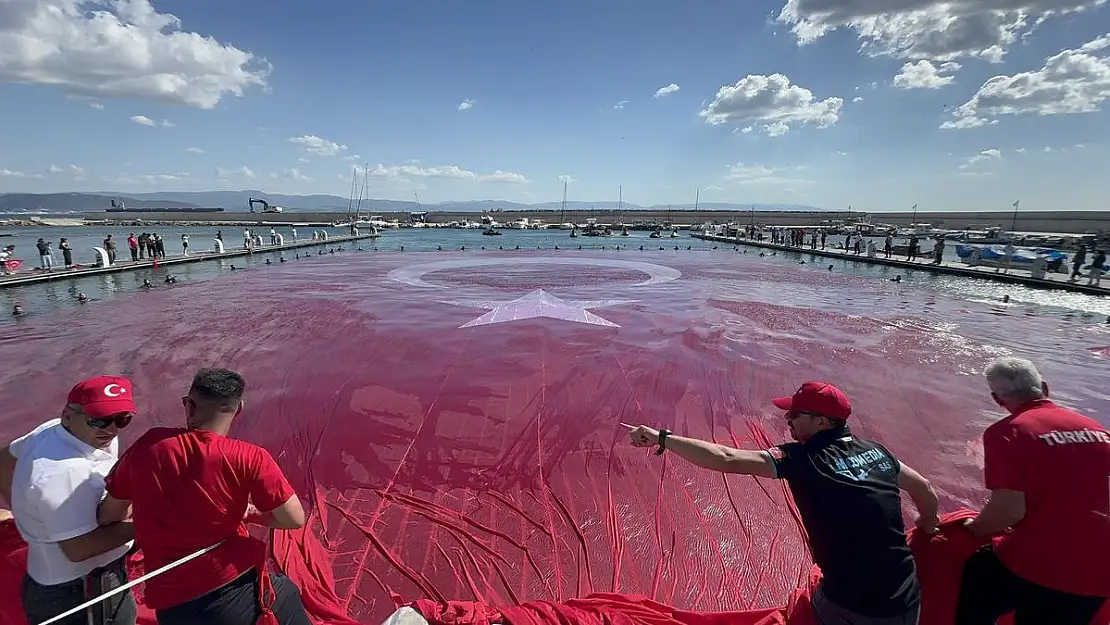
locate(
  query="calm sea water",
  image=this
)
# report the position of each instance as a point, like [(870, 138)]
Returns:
[(53, 296)]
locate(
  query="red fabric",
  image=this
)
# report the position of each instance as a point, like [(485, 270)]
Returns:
[(940, 560), (300, 555), (190, 490), (1060, 459)]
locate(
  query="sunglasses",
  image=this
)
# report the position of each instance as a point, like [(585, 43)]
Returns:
[(121, 421)]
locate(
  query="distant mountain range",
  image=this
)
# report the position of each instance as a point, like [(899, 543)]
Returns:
[(236, 201)]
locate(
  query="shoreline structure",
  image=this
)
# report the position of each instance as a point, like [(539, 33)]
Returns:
[(1064, 222), (126, 264)]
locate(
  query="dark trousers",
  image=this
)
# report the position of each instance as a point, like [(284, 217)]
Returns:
[(990, 590), (134, 253), (41, 603), (236, 603), (68, 256)]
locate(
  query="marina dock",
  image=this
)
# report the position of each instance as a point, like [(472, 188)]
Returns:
[(1018, 275), (25, 277)]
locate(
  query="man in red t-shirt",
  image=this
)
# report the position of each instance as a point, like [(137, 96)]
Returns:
[(193, 488), (1048, 470)]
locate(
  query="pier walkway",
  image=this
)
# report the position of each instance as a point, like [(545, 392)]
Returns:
[(1014, 276), (33, 276)]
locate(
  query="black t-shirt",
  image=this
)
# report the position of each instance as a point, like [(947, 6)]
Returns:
[(846, 490)]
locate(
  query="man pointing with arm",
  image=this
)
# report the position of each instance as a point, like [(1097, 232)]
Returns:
[(848, 494)]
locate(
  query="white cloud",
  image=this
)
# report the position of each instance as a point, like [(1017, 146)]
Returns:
[(772, 101), (291, 173), (669, 89), (240, 172), (351, 158), (620, 105), (857, 99), (1021, 150), (925, 75), (741, 173), (505, 177), (466, 105), (986, 156), (565, 178), (96, 105), (8, 173), (156, 179), (120, 49), (143, 120), (318, 145), (194, 150), (1072, 81), (408, 171), (303, 160), (940, 30), (74, 170)]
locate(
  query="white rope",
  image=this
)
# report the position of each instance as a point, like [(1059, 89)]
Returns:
[(128, 585)]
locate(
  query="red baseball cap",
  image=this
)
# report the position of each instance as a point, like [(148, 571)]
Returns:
[(819, 398), (103, 396)]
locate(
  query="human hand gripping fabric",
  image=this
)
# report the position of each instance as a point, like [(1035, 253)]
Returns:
[(643, 436)]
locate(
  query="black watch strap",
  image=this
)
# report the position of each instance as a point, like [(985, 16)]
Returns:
[(663, 434)]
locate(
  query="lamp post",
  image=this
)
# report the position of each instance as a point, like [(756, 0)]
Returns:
[(1013, 224)]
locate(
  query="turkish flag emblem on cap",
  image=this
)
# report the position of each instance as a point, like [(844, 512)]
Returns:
[(103, 396)]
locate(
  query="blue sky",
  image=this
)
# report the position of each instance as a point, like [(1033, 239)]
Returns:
[(823, 102)]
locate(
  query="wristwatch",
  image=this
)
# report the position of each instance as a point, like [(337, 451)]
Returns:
[(663, 434)]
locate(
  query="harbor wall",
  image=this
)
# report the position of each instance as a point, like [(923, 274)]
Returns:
[(1074, 222)]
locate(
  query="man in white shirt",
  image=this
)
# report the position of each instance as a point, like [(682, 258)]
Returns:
[(54, 479)]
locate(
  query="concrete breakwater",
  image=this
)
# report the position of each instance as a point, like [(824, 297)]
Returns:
[(923, 263), (1067, 222), (25, 277)]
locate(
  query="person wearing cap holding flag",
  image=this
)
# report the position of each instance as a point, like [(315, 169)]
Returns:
[(54, 478), (848, 492)]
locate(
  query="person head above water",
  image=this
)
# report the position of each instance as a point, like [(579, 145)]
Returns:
[(1014, 382), (813, 408), (214, 400), (98, 408)]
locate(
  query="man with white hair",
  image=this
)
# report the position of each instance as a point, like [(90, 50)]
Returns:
[(1048, 470)]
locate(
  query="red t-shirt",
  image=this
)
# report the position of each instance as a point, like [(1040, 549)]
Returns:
[(1060, 459), (189, 490)]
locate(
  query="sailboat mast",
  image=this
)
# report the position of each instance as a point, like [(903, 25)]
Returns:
[(563, 217)]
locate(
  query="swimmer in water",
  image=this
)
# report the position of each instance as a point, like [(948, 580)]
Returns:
[(148, 285), (439, 248), (641, 248), (1005, 299), (171, 279), (17, 310), (402, 248), (281, 260), (268, 261), (897, 278), (830, 267), (82, 297)]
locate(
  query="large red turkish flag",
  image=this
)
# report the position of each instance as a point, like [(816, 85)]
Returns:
[(453, 420)]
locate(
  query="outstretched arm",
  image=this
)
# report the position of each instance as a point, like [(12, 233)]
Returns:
[(923, 496), (709, 455)]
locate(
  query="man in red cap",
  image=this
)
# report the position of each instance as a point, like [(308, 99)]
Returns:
[(54, 479), (868, 571)]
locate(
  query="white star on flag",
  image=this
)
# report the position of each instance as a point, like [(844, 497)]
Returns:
[(537, 304)]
